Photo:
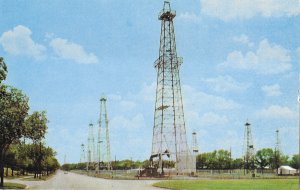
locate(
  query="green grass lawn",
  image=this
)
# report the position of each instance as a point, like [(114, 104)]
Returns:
[(14, 186), (248, 184)]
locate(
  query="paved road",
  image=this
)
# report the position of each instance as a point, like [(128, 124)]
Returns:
[(75, 181)]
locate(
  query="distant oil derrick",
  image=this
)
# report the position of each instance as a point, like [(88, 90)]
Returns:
[(100, 158), (277, 152), (248, 149), (103, 143), (91, 147), (195, 147), (82, 153)]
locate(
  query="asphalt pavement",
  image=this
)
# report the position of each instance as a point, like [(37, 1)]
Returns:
[(72, 181)]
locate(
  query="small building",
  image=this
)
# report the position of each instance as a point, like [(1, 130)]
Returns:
[(286, 170)]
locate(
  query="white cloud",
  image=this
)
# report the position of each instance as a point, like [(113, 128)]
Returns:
[(198, 99), (147, 92), (136, 122), (278, 112), (72, 51), (243, 39), (271, 90), (268, 59), (226, 84), (18, 41), (189, 16), (127, 105), (246, 9), (210, 118)]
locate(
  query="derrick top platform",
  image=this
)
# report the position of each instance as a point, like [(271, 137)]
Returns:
[(166, 13)]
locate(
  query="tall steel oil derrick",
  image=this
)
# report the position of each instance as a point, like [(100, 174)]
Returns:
[(103, 144), (169, 141), (91, 146), (249, 151)]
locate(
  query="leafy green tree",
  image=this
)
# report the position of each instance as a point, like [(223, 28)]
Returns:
[(22, 157), (11, 159), (145, 163), (36, 127), (218, 159), (201, 161), (3, 69), (284, 159), (13, 111), (294, 162), (223, 160), (264, 158), (49, 162), (237, 163)]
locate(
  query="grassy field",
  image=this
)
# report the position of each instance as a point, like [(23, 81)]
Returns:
[(14, 186), (254, 184)]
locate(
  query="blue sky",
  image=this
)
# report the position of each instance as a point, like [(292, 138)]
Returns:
[(241, 61)]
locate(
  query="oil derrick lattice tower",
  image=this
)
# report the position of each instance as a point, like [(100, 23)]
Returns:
[(169, 141), (82, 153), (195, 147), (277, 152), (248, 149), (103, 144), (91, 146)]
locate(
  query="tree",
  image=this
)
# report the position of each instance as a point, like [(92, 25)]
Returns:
[(22, 156), (49, 162), (237, 163), (201, 161), (284, 159), (264, 157), (3, 69), (218, 159), (36, 127), (10, 161), (223, 160), (295, 161), (13, 111)]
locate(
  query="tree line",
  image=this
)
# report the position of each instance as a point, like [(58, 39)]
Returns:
[(264, 158), (116, 165), (21, 133), (215, 160)]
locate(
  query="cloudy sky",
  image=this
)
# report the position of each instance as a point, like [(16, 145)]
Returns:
[(241, 61)]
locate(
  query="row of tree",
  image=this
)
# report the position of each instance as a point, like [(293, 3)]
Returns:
[(116, 165), (216, 160), (18, 127), (30, 158), (264, 158)]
